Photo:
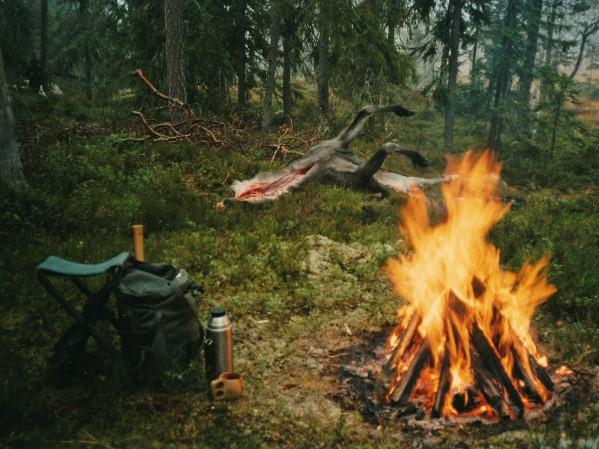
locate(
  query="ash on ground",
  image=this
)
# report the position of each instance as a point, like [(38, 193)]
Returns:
[(360, 389)]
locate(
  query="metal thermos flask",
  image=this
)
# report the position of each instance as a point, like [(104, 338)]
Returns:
[(218, 345)]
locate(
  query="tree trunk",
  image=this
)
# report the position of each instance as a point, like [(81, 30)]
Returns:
[(558, 111), (535, 8), (11, 169), (323, 63), (175, 58), (473, 70), (287, 60), (88, 73), (239, 11), (454, 44), (87, 58), (503, 76), (392, 19), (492, 80), (549, 43), (44, 43), (591, 63), (269, 87), (588, 31)]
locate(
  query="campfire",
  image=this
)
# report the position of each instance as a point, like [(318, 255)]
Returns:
[(464, 345)]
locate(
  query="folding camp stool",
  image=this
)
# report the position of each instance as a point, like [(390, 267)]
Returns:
[(71, 346)]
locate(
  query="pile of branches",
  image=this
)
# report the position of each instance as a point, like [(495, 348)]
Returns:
[(186, 125), (290, 143)]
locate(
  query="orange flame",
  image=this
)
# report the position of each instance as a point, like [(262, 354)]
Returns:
[(452, 278)]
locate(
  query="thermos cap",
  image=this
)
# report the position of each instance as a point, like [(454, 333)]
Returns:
[(217, 312)]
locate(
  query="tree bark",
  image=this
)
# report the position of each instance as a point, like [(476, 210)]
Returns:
[(535, 8), (11, 169), (549, 43), (392, 19), (174, 48), (88, 73), (588, 31), (558, 111), (323, 62), (473, 70), (454, 44), (44, 43), (503, 77), (239, 11), (87, 58), (287, 62), (269, 87)]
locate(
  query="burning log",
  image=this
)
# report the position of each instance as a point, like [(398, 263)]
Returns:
[(523, 374), (408, 379), (541, 373), (402, 345), (443, 388), (520, 354), (465, 401), (484, 348), (489, 389), (455, 308)]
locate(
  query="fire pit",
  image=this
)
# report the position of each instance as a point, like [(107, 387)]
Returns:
[(464, 346)]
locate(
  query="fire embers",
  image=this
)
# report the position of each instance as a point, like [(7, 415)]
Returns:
[(464, 345)]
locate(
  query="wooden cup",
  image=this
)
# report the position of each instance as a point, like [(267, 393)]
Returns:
[(228, 385)]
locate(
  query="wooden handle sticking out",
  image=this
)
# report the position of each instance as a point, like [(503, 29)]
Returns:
[(138, 241)]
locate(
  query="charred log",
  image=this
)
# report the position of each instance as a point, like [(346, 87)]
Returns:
[(483, 348), (522, 370), (410, 376), (490, 390), (402, 345), (465, 401), (541, 373), (443, 388), (522, 373)]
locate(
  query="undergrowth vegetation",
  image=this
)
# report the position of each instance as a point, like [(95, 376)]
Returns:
[(305, 268)]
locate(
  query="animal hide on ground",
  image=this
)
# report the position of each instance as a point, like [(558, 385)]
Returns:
[(332, 162)]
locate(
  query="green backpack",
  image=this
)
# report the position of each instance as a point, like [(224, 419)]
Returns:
[(157, 319)]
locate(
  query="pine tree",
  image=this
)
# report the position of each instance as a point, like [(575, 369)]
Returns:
[(11, 169), (174, 39)]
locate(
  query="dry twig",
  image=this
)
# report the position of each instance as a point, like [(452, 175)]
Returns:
[(215, 133)]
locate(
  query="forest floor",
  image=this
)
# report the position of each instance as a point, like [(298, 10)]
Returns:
[(301, 278)]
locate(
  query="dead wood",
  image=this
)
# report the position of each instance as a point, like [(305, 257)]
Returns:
[(401, 346), (466, 400), (522, 373), (541, 373), (215, 133), (489, 389), (484, 348), (410, 376), (443, 387), (175, 101), (331, 161), (522, 370), (189, 128)]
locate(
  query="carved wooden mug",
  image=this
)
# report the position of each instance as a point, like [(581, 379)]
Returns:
[(227, 385)]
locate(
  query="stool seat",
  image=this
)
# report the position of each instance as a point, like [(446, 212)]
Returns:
[(58, 266)]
